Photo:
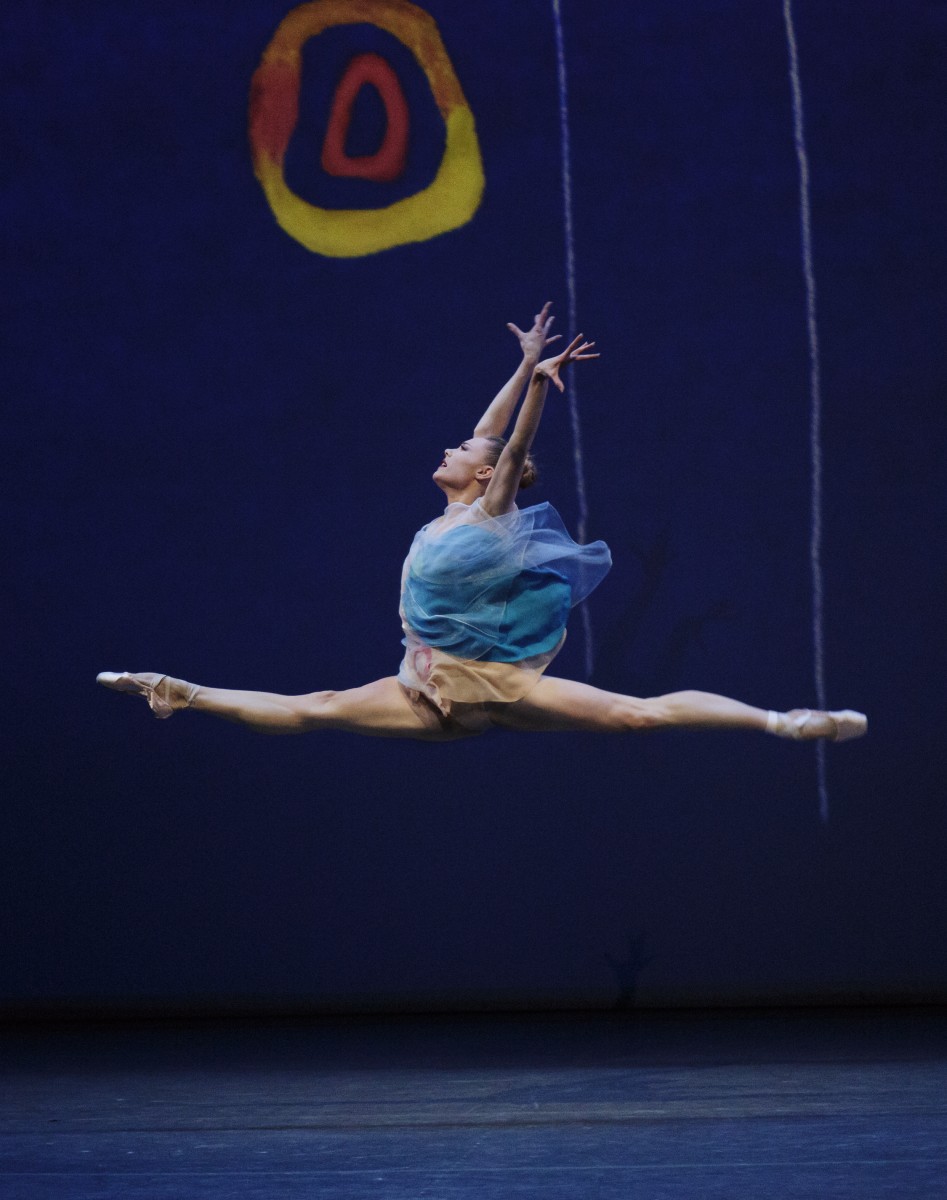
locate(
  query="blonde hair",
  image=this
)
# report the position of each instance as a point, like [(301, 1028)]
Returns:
[(530, 470)]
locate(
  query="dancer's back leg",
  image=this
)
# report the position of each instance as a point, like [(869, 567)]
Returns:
[(563, 704)]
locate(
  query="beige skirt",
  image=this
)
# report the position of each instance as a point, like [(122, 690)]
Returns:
[(445, 680)]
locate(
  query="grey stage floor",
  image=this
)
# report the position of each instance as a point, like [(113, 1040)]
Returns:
[(779, 1105)]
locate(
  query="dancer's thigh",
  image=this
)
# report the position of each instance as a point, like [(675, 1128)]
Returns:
[(563, 704), (385, 709)]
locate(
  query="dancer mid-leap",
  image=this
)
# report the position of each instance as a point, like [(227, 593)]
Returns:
[(486, 591)]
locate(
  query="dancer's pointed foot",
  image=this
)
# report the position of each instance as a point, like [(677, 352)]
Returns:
[(164, 694), (807, 724)]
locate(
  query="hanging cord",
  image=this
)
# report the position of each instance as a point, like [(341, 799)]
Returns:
[(815, 399), (572, 395)]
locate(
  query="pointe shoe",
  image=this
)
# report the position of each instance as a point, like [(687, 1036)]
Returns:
[(164, 694), (848, 724), (799, 724)]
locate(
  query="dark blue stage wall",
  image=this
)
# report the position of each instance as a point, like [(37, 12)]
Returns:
[(220, 441)]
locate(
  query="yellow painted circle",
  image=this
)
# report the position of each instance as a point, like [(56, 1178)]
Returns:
[(448, 202)]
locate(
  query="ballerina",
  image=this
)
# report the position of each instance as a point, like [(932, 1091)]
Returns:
[(485, 595)]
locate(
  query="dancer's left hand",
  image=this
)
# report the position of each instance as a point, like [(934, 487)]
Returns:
[(533, 340)]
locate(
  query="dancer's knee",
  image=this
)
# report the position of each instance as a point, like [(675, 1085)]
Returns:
[(315, 709), (637, 716)]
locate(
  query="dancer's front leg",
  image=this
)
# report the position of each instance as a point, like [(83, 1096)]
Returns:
[(379, 709), (265, 712)]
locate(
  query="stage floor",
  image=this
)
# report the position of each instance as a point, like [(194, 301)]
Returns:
[(698, 1105)]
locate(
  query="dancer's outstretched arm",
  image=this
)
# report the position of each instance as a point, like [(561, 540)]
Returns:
[(505, 481), (495, 420)]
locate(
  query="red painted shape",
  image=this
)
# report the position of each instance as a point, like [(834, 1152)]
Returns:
[(388, 161), (274, 109)]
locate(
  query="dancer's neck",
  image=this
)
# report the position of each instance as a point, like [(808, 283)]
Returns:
[(466, 495)]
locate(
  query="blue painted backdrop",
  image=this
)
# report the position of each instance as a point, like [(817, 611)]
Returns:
[(219, 444)]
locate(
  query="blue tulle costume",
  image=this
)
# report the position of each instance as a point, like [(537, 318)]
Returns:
[(485, 600)]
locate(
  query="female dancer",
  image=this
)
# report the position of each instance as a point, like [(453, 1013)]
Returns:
[(486, 590)]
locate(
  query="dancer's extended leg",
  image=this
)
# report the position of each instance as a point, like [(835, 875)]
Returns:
[(379, 709), (562, 704)]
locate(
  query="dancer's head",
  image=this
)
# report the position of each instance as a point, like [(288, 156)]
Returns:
[(472, 462)]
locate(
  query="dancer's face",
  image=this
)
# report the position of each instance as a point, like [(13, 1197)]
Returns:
[(464, 464)]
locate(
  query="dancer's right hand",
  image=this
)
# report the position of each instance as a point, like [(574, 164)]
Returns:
[(574, 352)]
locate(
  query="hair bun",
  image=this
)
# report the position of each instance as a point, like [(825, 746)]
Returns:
[(530, 470)]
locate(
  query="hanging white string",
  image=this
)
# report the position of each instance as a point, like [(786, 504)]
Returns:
[(571, 389), (815, 398)]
